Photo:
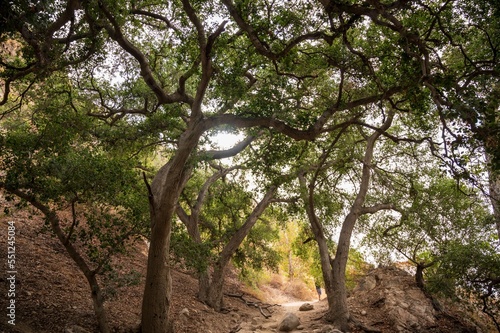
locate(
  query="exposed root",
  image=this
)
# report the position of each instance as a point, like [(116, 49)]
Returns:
[(263, 307)]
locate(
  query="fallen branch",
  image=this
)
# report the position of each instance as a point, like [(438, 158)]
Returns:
[(259, 305)]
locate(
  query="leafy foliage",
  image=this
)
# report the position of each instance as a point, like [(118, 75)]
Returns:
[(48, 155)]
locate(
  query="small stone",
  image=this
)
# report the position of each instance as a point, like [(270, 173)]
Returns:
[(363, 313), (184, 312)]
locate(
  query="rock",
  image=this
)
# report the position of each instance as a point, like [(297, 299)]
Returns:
[(184, 312), (367, 284), (306, 307), (392, 293), (289, 323)]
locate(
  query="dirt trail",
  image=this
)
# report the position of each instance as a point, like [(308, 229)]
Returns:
[(310, 321)]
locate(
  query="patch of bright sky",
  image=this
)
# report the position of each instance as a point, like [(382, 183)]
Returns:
[(225, 140)]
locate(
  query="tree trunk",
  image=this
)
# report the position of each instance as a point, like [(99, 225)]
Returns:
[(98, 303), (419, 276), (494, 181), (203, 285), (96, 294), (214, 294), (338, 314), (157, 291), (164, 194), (319, 236)]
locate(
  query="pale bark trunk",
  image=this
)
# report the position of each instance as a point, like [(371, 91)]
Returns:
[(98, 303), (326, 269), (338, 314)]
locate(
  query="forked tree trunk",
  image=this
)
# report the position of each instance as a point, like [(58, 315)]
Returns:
[(338, 314), (213, 292)]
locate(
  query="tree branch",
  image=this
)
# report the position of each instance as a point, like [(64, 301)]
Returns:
[(379, 207), (146, 72)]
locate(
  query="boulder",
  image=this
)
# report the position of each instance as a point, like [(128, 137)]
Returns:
[(306, 307), (289, 322)]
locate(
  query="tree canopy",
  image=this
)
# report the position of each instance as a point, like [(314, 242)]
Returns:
[(326, 93)]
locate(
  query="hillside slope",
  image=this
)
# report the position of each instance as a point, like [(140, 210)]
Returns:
[(53, 296)]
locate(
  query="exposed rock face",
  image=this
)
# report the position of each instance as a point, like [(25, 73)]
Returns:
[(289, 323), (394, 294)]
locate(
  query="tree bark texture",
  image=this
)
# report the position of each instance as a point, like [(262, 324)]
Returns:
[(338, 314), (165, 191)]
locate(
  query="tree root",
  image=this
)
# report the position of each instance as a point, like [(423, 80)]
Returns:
[(259, 305)]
